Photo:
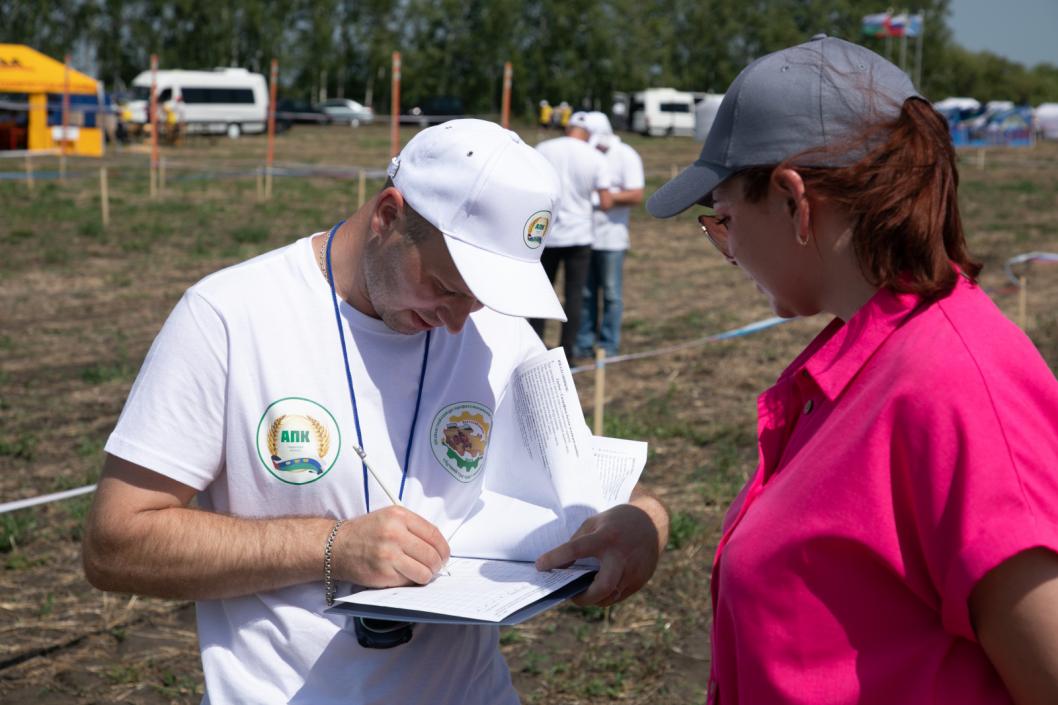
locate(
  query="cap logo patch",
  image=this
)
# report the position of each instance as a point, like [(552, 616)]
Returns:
[(536, 229)]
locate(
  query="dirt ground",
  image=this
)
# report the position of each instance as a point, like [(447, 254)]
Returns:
[(80, 304)]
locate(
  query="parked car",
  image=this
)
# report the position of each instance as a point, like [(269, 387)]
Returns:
[(298, 112), (438, 109), (345, 111)]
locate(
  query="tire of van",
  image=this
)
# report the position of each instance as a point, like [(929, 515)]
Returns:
[(234, 131)]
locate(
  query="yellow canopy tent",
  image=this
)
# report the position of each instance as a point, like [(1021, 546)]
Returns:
[(43, 80)]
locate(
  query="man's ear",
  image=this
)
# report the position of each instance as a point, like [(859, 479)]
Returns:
[(790, 187), (389, 210)]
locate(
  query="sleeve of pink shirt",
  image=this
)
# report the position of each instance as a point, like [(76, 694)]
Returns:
[(977, 444)]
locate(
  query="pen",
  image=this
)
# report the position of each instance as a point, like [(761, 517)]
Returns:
[(378, 480)]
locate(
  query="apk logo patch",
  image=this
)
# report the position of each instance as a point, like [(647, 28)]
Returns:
[(298, 440)]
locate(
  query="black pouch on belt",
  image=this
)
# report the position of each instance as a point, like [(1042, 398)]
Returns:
[(381, 633)]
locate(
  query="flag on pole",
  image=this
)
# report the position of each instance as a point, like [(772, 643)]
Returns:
[(876, 25), (898, 25), (914, 25)]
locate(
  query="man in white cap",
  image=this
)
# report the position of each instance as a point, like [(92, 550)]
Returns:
[(582, 174), (272, 386), (603, 288)]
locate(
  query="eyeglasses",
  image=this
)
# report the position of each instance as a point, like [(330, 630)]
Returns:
[(715, 228)]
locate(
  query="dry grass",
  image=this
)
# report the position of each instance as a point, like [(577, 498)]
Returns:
[(79, 305)]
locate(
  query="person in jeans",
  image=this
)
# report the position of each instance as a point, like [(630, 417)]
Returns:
[(605, 273), (582, 173)]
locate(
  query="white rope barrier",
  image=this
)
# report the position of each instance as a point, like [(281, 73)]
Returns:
[(734, 333), (44, 499), (1009, 265)]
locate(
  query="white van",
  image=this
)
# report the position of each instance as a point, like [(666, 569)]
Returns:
[(663, 111), (228, 101), (708, 105)]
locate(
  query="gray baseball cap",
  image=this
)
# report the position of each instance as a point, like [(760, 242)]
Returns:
[(806, 98)]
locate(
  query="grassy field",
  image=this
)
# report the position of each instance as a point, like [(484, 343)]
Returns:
[(80, 304)]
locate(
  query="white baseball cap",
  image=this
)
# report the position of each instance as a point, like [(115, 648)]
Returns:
[(579, 119), (492, 197), (599, 127)]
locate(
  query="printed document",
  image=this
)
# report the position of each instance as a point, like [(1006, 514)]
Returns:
[(545, 475)]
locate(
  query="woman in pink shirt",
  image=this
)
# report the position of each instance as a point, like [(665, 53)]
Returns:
[(897, 543)]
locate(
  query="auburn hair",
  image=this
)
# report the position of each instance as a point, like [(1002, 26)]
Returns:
[(902, 196)]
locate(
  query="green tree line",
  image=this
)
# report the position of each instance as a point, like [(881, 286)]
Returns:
[(582, 52)]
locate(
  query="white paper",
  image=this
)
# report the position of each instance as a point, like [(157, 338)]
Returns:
[(514, 524), (510, 528), (554, 433), (618, 465), (473, 588)]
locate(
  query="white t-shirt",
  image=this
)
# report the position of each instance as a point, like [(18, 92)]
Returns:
[(243, 396), (581, 171), (626, 174)]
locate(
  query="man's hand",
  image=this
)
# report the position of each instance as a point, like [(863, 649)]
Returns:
[(389, 547), (627, 540)]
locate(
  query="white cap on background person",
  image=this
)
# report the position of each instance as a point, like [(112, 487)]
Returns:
[(492, 197), (579, 119), (600, 129)]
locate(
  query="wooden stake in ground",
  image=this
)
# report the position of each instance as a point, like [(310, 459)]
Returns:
[(1023, 295), (154, 125), (600, 389), (505, 118), (104, 196), (361, 189), (394, 108), (65, 118), (271, 128)]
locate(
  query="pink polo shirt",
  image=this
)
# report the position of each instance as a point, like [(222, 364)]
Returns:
[(902, 456)]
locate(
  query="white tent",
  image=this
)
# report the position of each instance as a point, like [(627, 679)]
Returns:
[(957, 104), (1047, 121)]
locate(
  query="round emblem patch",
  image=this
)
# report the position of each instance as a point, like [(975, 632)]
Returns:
[(459, 436), (536, 229), (298, 440)]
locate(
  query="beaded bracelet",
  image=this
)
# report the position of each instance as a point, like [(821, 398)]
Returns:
[(329, 588)]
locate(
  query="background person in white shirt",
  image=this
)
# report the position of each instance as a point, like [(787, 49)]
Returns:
[(400, 323), (582, 173), (605, 273)]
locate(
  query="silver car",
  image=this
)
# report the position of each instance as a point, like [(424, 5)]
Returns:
[(343, 110)]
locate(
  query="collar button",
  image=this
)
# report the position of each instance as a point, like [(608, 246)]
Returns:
[(809, 406)]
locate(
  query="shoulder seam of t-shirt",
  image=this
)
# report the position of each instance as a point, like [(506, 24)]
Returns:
[(992, 402), (201, 296)]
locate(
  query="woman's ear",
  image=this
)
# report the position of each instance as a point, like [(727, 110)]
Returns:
[(790, 187)]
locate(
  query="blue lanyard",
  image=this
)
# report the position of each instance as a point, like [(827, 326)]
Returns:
[(352, 394)]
